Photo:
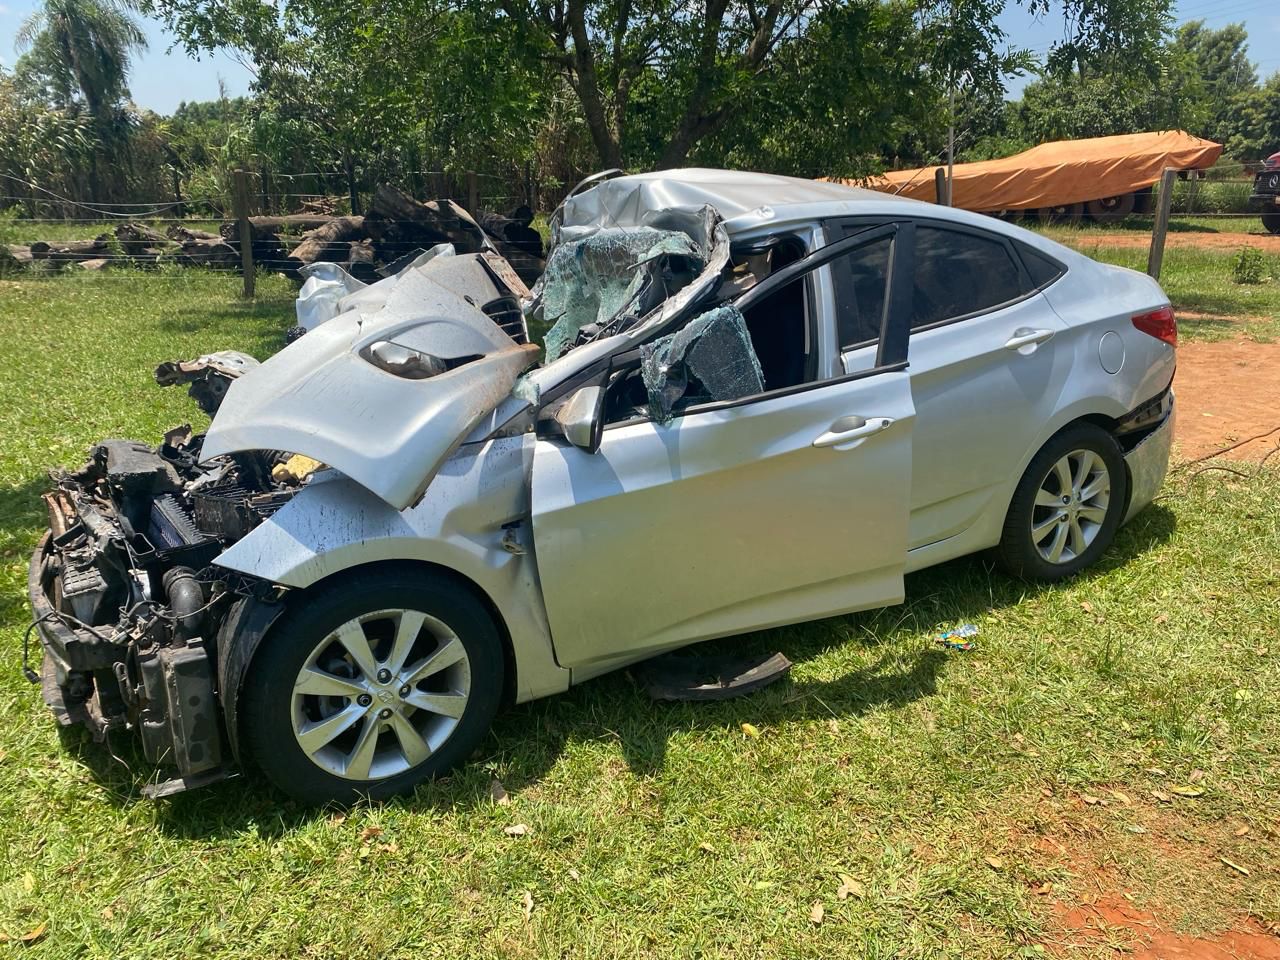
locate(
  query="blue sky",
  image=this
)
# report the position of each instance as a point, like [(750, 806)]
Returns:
[(162, 79)]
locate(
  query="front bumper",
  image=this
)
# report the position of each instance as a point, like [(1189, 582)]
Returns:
[(1148, 463), (104, 682), (72, 655)]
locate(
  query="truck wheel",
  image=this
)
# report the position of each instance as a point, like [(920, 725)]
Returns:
[(1065, 213), (371, 686), (1109, 209), (1271, 220), (1067, 506)]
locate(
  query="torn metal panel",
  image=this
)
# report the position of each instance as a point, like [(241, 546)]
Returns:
[(711, 358), (320, 299), (209, 376), (383, 394)]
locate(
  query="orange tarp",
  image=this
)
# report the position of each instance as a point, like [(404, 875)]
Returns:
[(1059, 172)]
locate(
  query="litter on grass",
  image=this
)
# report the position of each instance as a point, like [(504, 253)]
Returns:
[(958, 639)]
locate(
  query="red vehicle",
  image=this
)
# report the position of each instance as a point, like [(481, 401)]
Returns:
[(1266, 193)]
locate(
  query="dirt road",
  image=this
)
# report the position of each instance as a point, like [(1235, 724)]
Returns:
[(1228, 391)]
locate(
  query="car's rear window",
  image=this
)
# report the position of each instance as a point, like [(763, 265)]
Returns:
[(958, 274), (1042, 269)]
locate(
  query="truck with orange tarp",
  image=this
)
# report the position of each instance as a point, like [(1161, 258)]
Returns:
[(1105, 178)]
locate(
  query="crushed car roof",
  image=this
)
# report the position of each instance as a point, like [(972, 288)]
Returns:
[(745, 200)]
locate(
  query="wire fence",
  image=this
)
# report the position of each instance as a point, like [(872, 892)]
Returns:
[(167, 237)]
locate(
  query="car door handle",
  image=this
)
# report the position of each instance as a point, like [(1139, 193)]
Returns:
[(1026, 337), (850, 430)]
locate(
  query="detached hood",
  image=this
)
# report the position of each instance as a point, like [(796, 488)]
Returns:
[(383, 394)]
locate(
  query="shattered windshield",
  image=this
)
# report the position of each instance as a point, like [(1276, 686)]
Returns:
[(607, 274), (610, 278)]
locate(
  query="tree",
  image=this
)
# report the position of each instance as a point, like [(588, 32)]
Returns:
[(1219, 59), (1256, 133), (80, 48)]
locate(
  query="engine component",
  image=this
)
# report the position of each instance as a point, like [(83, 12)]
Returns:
[(186, 600), (209, 376), (83, 590), (180, 719), (174, 535)]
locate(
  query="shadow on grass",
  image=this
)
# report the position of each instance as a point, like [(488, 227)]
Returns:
[(528, 739)]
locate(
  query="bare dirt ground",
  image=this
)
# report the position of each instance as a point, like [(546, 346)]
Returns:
[(1112, 921), (1120, 901), (1228, 391)]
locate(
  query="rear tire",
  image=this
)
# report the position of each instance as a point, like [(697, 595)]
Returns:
[(1271, 220), (372, 685), (1110, 209), (1067, 506), (1063, 213)]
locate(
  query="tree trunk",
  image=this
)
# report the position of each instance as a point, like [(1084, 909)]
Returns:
[(269, 226), (135, 238), (214, 252), (587, 85), (332, 242), (353, 191), (181, 233), (69, 251)]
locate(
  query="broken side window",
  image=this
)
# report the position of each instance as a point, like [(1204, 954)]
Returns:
[(711, 358), (611, 274)]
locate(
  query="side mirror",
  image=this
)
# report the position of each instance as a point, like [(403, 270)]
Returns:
[(581, 418)]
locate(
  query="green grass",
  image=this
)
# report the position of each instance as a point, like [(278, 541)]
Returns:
[(662, 829), (26, 232), (1198, 281), (1181, 223)]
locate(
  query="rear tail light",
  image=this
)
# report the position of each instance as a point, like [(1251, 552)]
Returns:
[(1160, 324)]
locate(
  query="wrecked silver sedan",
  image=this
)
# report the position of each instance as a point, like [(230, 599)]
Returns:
[(761, 401)]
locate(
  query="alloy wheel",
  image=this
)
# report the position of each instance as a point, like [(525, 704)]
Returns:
[(1071, 506), (380, 694)]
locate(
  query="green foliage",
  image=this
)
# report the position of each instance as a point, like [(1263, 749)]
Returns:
[(1256, 131), (1220, 61), (824, 115), (79, 50), (1249, 265), (1065, 107)]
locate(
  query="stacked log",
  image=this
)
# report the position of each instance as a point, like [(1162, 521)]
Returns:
[(69, 251), (14, 258), (182, 234), (136, 239), (395, 226)]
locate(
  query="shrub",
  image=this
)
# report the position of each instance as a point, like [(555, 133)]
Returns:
[(1249, 266)]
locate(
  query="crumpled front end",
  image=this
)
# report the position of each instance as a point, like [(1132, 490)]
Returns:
[(126, 600)]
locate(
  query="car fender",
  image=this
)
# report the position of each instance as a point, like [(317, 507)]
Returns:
[(473, 522)]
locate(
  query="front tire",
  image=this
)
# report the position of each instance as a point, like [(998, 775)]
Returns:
[(1067, 506), (372, 685), (1271, 220)]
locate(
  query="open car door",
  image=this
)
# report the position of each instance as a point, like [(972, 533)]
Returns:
[(736, 515)]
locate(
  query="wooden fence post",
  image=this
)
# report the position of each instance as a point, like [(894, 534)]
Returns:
[(1155, 258), (240, 205), (473, 193)]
